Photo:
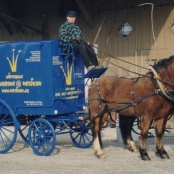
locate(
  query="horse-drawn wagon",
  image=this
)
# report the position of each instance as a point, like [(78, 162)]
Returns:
[(42, 95)]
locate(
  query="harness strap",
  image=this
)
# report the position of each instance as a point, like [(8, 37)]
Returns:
[(134, 103), (131, 104), (127, 104)]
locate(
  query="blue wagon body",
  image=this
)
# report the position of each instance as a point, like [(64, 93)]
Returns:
[(37, 79), (42, 95)]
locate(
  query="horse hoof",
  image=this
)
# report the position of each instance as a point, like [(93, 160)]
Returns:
[(145, 158), (162, 154), (100, 156), (132, 147), (144, 155), (134, 150)]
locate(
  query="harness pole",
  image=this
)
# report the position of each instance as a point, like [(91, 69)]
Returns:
[(96, 37)]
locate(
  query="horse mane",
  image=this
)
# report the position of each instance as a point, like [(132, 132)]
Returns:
[(163, 62)]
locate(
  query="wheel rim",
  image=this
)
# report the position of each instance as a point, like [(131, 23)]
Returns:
[(42, 137), (8, 128), (81, 133)]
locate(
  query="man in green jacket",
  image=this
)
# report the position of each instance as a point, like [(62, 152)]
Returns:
[(69, 33)]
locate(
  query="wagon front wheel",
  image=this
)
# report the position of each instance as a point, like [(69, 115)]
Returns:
[(8, 128), (81, 134), (41, 136)]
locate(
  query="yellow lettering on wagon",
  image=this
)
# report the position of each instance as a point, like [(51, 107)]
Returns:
[(15, 90), (57, 94), (7, 83), (30, 83), (9, 76), (69, 93)]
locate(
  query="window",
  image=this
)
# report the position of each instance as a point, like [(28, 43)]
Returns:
[(172, 27), (124, 29)]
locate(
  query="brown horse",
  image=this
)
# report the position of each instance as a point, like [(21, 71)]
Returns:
[(149, 97)]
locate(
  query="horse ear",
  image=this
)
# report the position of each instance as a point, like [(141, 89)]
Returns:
[(171, 58)]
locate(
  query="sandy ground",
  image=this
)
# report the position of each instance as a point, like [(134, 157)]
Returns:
[(68, 159)]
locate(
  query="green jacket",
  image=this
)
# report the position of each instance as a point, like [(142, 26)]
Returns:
[(68, 32)]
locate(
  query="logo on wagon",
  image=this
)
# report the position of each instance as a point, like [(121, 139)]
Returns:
[(13, 62), (68, 73)]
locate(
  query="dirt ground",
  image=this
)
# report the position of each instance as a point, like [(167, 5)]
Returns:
[(68, 159)]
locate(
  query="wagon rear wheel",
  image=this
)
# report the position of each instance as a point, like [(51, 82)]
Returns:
[(81, 133), (42, 137), (8, 128)]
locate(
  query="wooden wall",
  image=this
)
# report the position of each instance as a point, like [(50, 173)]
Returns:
[(151, 38)]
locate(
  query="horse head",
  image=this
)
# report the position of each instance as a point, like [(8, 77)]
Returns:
[(165, 68)]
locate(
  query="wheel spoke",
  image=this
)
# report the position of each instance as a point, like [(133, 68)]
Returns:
[(7, 130), (2, 140), (80, 134), (5, 136), (85, 136)]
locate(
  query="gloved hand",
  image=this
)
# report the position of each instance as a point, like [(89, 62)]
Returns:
[(84, 42), (78, 39)]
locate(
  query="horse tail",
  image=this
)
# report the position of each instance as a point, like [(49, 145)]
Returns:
[(126, 124)]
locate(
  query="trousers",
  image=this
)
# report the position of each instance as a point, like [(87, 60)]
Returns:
[(87, 54)]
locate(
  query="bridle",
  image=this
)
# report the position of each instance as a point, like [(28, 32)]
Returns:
[(163, 91)]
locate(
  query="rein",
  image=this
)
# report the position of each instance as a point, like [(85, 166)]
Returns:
[(142, 75)]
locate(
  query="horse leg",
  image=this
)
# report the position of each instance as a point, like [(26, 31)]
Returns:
[(96, 131), (131, 144), (145, 124), (125, 124), (160, 125)]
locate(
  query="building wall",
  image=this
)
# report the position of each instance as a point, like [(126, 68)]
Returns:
[(151, 38)]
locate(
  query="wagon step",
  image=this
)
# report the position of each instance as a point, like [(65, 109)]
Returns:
[(95, 72)]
